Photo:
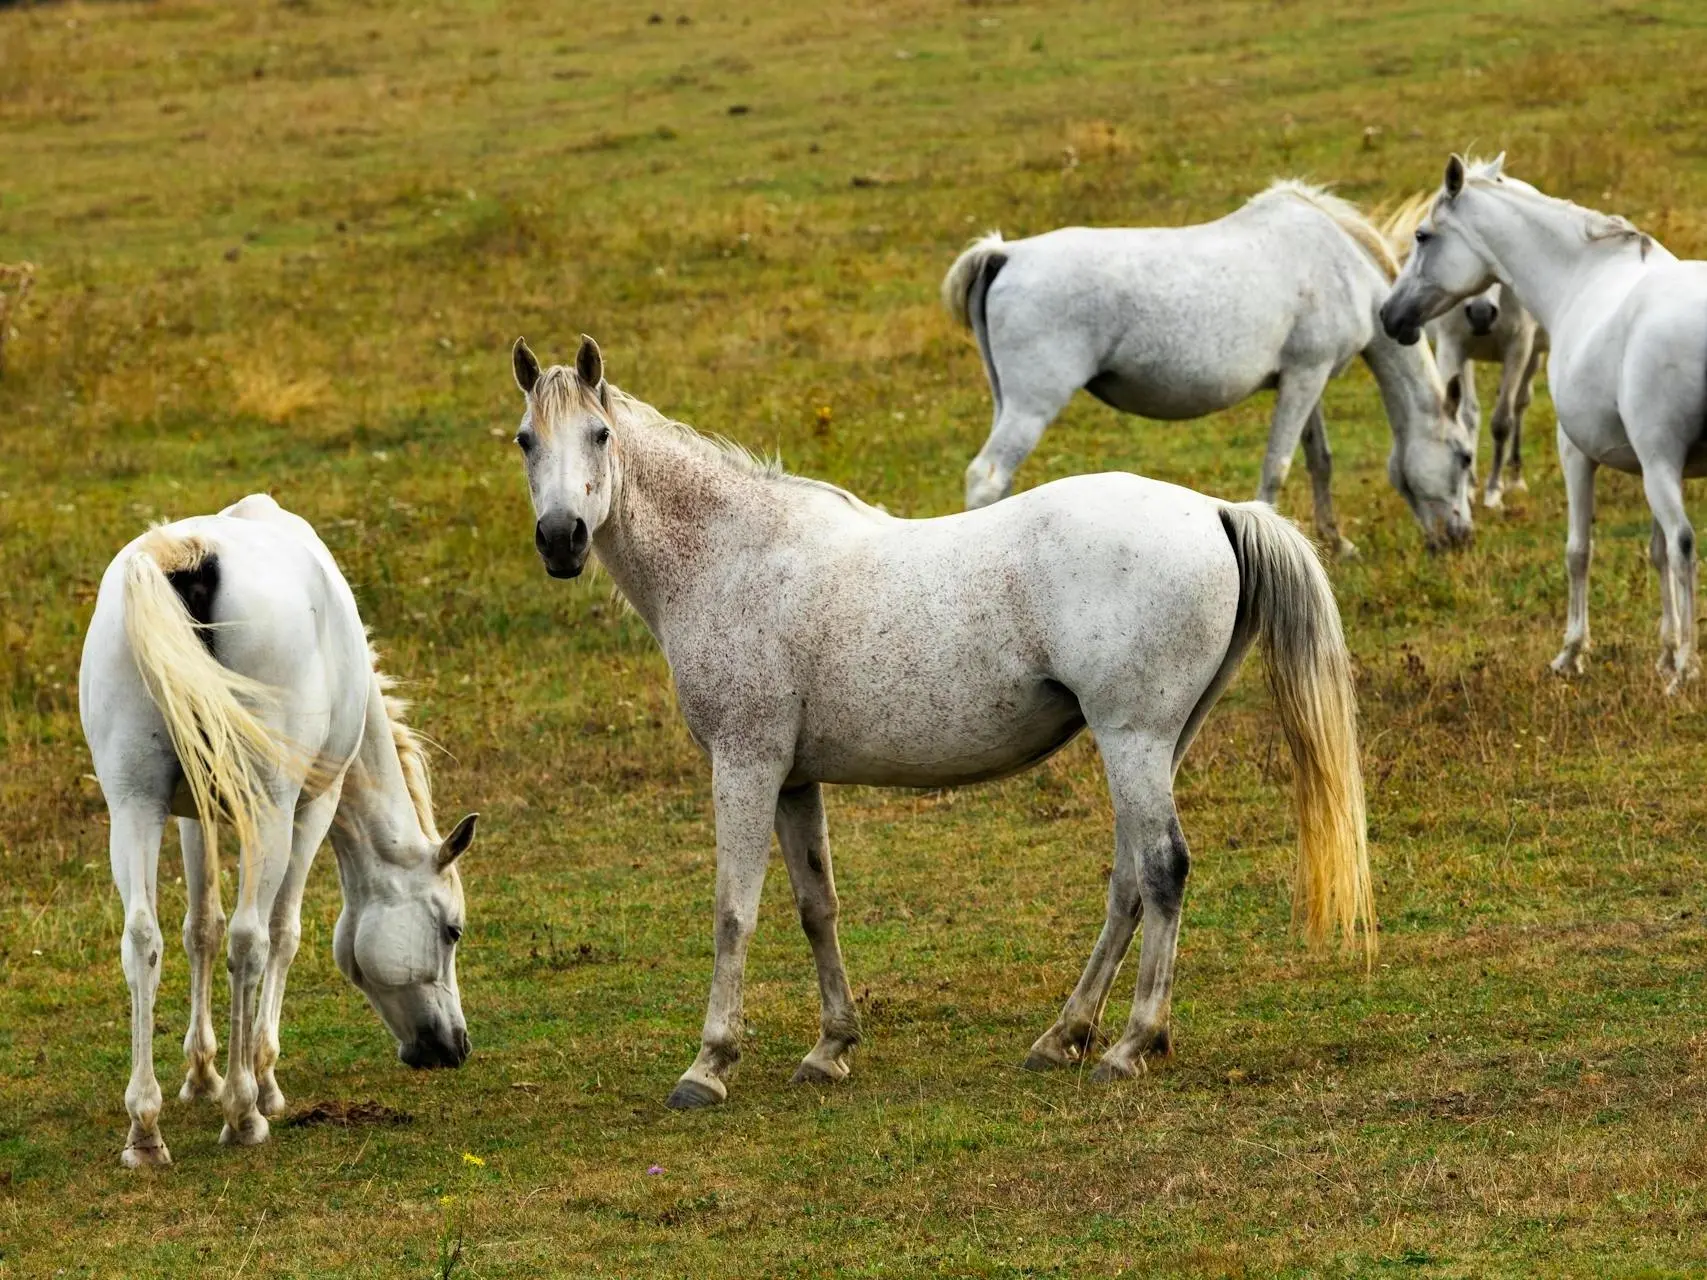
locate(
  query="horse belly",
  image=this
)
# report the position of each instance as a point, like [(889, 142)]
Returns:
[(1177, 394), (940, 737)]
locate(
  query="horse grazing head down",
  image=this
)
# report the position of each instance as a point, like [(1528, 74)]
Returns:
[(565, 439)]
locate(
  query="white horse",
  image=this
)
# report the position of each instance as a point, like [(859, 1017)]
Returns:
[(1178, 322), (227, 678), (1493, 326), (815, 639), (1628, 324)]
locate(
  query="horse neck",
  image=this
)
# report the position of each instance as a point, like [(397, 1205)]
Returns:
[(1540, 249), (376, 813), (1409, 382), (677, 514)]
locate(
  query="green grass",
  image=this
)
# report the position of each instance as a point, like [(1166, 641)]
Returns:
[(287, 246)]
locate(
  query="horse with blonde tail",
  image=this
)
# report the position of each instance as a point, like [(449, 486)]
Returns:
[(227, 681), (815, 639)]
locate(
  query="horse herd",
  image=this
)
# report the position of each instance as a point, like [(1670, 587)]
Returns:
[(227, 677)]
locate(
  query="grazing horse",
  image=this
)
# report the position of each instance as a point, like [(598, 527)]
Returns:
[(814, 639), (1179, 322), (1628, 324), (227, 679), (1494, 326)]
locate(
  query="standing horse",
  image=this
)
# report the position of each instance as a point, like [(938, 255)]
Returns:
[(815, 639), (1493, 325), (1179, 322), (227, 679), (1628, 323)]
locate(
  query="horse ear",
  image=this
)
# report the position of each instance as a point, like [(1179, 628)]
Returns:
[(456, 843), (1496, 166), (589, 364), (1454, 395), (1454, 175), (527, 368)]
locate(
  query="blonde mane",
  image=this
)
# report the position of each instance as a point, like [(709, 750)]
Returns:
[(411, 751), (1347, 216)]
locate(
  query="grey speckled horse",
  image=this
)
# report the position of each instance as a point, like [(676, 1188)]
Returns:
[(815, 639), (1179, 322)]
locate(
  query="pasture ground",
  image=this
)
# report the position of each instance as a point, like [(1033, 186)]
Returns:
[(287, 246)]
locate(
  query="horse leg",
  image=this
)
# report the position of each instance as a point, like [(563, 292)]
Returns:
[(1140, 778), (745, 797), (1663, 483), (1506, 411), (1296, 399), (134, 848), (260, 872), (1667, 664), (1579, 471), (284, 936), (204, 928), (804, 835), (1037, 381), (1525, 391), (1070, 1040), (1320, 460)]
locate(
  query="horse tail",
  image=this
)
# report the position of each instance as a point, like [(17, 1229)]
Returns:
[(1286, 600), (223, 747), (982, 255)]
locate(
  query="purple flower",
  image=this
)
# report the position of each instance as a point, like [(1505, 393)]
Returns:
[(654, 1171)]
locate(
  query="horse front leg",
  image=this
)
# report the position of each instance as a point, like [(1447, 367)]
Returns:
[(745, 796), (1666, 665), (803, 832), (1579, 471), (204, 929), (1298, 403), (1514, 372), (284, 936), (1525, 392), (134, 847)]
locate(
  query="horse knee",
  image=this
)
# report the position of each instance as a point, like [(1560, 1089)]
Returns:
[(818, 914), (203, 931), (141, 948), (246, 950), (1166, 866)]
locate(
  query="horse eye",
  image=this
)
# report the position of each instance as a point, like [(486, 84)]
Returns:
[(453, 934), (602, 436), (1464, 459), (525, 440), (1423, 237)]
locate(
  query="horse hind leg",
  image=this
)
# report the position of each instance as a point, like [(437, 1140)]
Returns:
[(1664, 487), (1037, 380), (204, 929), (803, 833), (134, 846), (1666, 664)]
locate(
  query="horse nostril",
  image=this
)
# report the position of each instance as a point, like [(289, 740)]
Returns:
[(539, 536), (578, 536)]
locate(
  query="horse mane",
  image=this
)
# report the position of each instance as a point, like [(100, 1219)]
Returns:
[(1597, 226), (411, 750), (1347, 216), (559, 390)]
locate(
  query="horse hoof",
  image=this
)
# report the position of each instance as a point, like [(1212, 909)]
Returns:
[(250, 1132), (1109, 1070), (196, 1086), (271, 1101), (1567, 664), (691, 1095), (809, 1072), (1037, 1060), (1493, 501), (150, 1157), (1518, 484)]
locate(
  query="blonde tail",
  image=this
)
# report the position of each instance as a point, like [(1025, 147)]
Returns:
[(1286, 599), (223, 747), (957, 284)]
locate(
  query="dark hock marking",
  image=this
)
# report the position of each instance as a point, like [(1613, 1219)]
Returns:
[(815, 862), (1686, 543), (728, 932), (196, 588), (1164, 872)]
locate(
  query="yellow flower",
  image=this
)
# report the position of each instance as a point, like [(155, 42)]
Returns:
[(469, 1157), (447, 1200)]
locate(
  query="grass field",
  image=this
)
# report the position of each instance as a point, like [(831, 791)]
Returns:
[(286, 246)]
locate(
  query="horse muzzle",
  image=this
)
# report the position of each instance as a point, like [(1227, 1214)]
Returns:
[(432, 1048), (1482, 315), (562, 543), (1400, 323)]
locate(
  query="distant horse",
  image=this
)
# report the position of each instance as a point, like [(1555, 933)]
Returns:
[(1493, 325), (1628, 324), (227, 679), (1178, 322), (816, 639)]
